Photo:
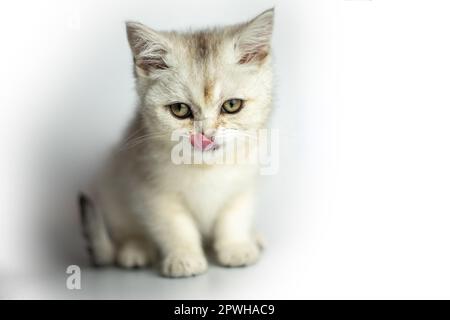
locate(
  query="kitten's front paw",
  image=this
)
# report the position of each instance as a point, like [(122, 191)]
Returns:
[(132, 255), (237, 254), (184, 264)]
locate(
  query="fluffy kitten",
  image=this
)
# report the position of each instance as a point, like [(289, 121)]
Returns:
[(213, 86)]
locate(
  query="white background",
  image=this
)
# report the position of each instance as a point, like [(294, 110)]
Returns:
[(360, 207)]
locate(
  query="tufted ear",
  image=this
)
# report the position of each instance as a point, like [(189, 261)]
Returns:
[(149, 48), (253, 41)]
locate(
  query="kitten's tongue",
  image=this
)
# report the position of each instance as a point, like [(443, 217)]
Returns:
[(201, 142)]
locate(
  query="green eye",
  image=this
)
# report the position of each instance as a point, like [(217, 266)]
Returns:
[(232, 105), (180, 110)]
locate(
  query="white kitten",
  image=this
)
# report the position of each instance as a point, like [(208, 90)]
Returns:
[(213, 86)]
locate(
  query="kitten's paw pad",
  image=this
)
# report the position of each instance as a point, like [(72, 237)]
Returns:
[(132, 255), (238, 254), (184, 265)]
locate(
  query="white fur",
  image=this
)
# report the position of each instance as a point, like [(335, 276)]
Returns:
[(149, 204)]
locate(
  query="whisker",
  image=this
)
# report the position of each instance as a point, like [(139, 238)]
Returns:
[(237, 135), (131, 143), (133, 135)]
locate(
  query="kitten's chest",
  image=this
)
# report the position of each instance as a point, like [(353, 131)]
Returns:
[(207, 191)]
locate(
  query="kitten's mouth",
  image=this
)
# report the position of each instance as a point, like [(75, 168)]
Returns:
[(202, 143), (210, 148)]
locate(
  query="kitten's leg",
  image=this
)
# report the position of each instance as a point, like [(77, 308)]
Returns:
[(174, 231), (136, 253), (234, 242)]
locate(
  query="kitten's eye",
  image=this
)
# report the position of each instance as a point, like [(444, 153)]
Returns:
[(232, 105), (180, 110)]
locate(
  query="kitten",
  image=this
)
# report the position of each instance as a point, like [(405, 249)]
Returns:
[(213, 86)]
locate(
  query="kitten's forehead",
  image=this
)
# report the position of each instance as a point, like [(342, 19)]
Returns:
[(205, 45), (207, 51)]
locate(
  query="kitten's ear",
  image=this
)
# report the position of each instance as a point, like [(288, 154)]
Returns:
[(148, 46), (253, 42)]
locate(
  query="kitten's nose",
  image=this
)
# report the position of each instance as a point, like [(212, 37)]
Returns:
[(201, 142)]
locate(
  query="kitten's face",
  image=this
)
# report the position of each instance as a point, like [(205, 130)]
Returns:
[(212, 85)]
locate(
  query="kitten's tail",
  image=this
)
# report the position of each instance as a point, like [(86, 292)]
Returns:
[(99, 244)]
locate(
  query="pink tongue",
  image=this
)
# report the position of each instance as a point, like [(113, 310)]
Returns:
[(200, 142)]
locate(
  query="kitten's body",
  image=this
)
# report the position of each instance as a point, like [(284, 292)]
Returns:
[(146, 206)]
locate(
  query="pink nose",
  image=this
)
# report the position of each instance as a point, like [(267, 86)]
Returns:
[(200, 141)]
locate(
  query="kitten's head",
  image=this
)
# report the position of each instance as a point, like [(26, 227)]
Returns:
[(214, 85)]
